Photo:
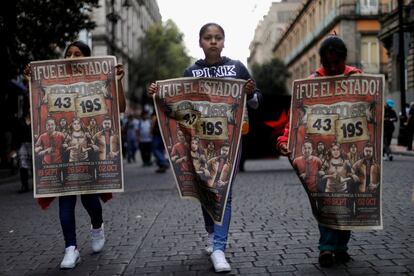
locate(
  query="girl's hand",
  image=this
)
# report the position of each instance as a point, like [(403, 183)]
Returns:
[(284, 149), (119, 71), (249, 86), (152, 89)]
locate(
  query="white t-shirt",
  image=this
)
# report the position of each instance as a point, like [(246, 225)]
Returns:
[(144, 128)]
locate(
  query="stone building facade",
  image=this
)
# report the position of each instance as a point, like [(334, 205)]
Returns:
[(389, 35), (355, 21), (269, 30), (121, 24)]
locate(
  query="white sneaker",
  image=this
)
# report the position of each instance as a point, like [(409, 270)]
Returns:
[(210, 242), (97, 239), (72, 257), (219, 261)]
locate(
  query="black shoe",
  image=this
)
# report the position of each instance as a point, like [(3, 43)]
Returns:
[(326, 259), (342, 257), (390, 157), (161, 170)]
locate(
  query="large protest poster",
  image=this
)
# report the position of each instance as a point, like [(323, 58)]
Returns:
[(75, 127), (200, 122), (335, 137)]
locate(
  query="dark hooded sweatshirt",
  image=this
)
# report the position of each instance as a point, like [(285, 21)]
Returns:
[(225, 68)]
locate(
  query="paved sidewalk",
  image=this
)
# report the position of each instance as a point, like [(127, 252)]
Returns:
[(151, 231), (396, 149)]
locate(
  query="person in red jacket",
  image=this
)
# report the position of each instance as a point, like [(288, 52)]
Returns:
[(332, 243)]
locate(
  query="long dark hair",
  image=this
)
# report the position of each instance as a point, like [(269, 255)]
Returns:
[(83, 47)]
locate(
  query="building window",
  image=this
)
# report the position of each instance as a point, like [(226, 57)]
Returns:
[(312, 64), (304, 69), (284, 16), (305, 27), (370, 53), (328, 6), (369, 6), (311, 20)]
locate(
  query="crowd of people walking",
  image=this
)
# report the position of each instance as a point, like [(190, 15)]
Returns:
[(141, 133)]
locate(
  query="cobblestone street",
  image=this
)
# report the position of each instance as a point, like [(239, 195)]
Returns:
[(151, 231)]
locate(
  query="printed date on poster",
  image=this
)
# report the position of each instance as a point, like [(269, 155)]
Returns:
[(188, 118), (352, 130), (321, 124), (346, 130), (61, 102), (84, 106), (212, 128), (90, 106)]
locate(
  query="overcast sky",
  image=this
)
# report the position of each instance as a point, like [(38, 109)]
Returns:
[(239, 19)]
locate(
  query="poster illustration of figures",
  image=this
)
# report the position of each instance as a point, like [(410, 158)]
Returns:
[(75, 126), (336, 143), (200, 120)]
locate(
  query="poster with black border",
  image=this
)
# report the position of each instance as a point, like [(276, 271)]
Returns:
[(75, 127), (335, 139), (200, 121)]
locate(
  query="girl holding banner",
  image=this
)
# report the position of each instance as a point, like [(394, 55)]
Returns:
[(211, 40), (91, 202)]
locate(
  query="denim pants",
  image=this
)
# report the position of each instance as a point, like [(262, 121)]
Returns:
[(67, 215), (333, 239), (132, 149), (158, 150), (221, 232)]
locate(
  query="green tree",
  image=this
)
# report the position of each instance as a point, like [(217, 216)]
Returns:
[(163, 56), (33, 29), (271, 77)]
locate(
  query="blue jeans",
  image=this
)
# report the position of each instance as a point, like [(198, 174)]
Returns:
[(221, 232), (158, 150), (333, 239), (67, 215), (132, 149)]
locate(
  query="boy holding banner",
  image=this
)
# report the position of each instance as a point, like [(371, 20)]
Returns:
[(333, 242)]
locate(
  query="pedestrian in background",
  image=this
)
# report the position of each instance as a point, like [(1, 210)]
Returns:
[(91, 202), (131, 129), (144, 136), (333, 243), (410, 127), (157, 146), (390, 117), (211, 40), (22, 143)]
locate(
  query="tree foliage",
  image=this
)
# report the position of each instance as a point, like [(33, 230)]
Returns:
[(271, 77), (163, 56), (33, 29)]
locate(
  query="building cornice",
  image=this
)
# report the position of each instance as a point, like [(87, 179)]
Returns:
[(316, 36)]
